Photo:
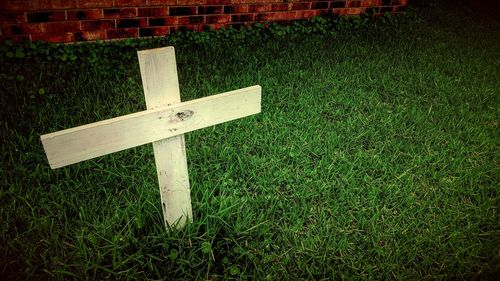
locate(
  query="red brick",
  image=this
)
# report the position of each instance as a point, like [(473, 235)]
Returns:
[(370, 3), (276, 16), (162, 21), (60, 27), (218, 19), (182, 11), (18, 5), (153, 12), (256, 1), (243, 18), (301, 6), (128, 23), (18, 17), (21, 29), (54, 37), (218, 2), (209, 10), (356, 11), (307, 14), (122, 33), (285, 16), (341, 11), (46, 16), (259, 8), (280, 7), (161, 2), (89, 14), (192, 20), (154, 31), (190, 2), (320, 5), (235, 9), (353, 4), (55, 4), (241, 1), (92, 25), (130, 3), (337, 5), (264, 17), (94, 3), (120, 13), (93, 35)]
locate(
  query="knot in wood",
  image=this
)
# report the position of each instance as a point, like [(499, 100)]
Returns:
[(183, 115)]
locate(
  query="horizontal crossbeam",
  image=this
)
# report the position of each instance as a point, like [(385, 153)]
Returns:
[(96, 139)]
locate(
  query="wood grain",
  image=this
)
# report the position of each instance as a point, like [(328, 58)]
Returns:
[(92, 140), (161, 88)]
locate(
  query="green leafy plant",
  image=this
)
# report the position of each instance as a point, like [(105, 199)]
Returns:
[(92, 52)]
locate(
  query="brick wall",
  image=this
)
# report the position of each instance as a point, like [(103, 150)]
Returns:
[(86, 20)]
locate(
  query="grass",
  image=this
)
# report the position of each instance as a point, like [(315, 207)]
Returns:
[(375, 157)]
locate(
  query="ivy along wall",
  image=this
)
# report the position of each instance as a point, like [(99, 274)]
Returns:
[(88, 20)]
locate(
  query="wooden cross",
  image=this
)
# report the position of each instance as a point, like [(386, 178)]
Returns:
[(163, 124)]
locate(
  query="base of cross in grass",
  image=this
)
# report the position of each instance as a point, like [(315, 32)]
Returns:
[(163, 124)]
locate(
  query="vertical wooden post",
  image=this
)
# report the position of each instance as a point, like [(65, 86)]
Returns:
[(161, 88)]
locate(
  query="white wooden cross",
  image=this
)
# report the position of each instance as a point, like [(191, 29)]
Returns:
[(163, 124)]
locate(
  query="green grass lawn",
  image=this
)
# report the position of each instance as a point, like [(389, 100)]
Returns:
[(375, 157)]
